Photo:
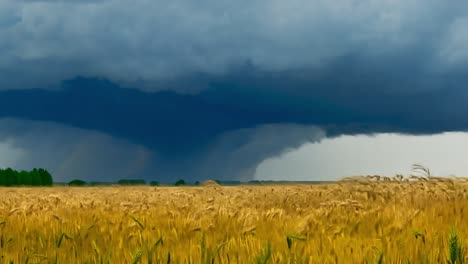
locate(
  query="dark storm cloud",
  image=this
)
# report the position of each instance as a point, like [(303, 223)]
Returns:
[(147, 43), (178, 135), (174, 124), (226, 130), (71, 153)]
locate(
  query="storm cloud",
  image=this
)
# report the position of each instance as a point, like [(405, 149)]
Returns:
[(72, 153), (148, 43), (211, 89)]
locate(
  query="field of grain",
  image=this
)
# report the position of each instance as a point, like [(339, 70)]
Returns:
[(358, 221)]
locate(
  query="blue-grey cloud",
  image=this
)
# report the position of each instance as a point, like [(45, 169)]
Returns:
[(244, 118), (71, 153), (148, 43)]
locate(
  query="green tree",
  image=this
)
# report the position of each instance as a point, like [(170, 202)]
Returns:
[(131, 182), (2, 178), (11, 177), (154, 183), (77, 182), (180, 183), (24, 178), (45, 177), (36, 177)]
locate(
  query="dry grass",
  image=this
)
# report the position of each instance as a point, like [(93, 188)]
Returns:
[(356, 221)]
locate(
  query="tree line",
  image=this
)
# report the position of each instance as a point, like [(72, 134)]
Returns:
[(35, 177)]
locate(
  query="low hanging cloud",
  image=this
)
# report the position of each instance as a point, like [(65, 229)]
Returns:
[(71, 153), (223, 132), (236, 155)]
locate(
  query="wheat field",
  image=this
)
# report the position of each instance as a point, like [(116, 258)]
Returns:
[(355, 221)]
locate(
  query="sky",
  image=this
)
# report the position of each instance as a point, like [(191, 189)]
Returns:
[(382, 154), (290, 90)]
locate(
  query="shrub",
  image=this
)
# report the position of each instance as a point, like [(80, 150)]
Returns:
[(255, 182), (180, 183), (154, 183), (131, 182), (77, 182), (99, 183)]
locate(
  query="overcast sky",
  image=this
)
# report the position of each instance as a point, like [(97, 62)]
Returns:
[(215, 88)]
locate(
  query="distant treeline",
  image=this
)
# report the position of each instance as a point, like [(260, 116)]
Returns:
[(78, 182), (132, 182), (182, 182), (179, 182), (35, 177)]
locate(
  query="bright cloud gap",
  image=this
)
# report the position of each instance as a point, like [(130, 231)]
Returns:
[(381, 154)]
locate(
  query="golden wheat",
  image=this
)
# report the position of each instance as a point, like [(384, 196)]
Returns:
[(351, 221)]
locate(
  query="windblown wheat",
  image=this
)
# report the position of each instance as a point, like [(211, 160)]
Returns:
[(352, 221)]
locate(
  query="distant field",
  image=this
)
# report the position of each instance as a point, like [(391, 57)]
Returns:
[(348, 222)]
